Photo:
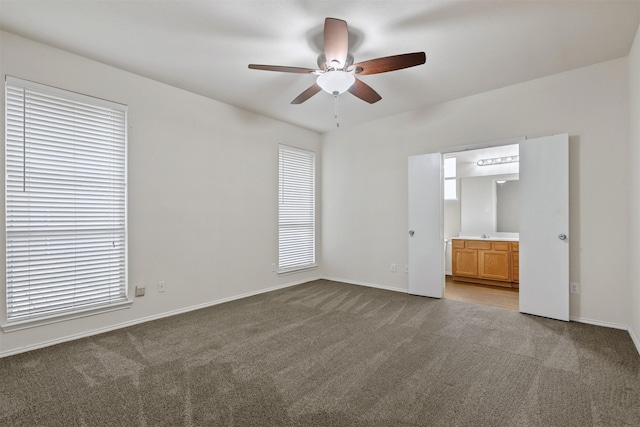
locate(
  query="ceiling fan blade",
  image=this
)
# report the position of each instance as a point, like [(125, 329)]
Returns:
[(389, 63), (282, 69), (364, 92), (308, 93), (336, 41)]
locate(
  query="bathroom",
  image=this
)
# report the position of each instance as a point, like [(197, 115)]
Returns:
[(481, 202)]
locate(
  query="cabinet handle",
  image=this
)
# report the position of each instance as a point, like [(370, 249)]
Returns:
[(411, 233), (562, 237)]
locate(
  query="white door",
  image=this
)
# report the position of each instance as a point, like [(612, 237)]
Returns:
[(426, 242), (544, 226)]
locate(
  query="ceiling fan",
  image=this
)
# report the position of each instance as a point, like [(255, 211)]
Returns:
[(337, 72)]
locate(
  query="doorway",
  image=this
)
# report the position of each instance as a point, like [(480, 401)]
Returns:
[(543, 242), (481, 201)]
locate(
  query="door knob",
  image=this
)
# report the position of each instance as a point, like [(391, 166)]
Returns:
[(562, 237), (411, 233)]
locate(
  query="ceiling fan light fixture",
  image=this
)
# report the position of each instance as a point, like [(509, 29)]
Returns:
[(335, 82)]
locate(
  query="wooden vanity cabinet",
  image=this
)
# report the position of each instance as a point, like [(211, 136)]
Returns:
[(515, 263), (484, 261)]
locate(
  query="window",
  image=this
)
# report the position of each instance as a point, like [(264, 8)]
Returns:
[(65, 202), (450, 192), (296, 209)]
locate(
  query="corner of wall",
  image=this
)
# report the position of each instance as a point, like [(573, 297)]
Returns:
[(634, 197)]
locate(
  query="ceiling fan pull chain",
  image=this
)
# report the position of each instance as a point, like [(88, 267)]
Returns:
[(335, 111)]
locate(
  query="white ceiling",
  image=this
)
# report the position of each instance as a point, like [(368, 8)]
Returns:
[(205, 46)]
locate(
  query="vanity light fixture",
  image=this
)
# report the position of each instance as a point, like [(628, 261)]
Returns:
[(498, 160), (501, 181)]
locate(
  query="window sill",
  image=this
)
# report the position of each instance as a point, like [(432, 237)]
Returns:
[(19, 325), (297, 270)]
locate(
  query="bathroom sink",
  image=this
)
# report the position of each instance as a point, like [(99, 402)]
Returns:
[(490, 237)]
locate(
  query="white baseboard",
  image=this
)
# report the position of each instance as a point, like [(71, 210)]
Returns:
[(149, 318), (598, 323), (635, 339), (369, 285)]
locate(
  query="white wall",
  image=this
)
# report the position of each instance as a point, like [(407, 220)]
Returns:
[(202, 190), (452, 215), (365, 178), (634, 193)]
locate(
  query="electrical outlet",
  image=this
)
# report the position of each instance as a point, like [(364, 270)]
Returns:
[(273, 267), (139, 291), (574, 287), (393, 268), (162, 286)]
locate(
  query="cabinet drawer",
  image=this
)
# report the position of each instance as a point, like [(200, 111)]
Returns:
[(500, 246), (457, 244), (478, 244)]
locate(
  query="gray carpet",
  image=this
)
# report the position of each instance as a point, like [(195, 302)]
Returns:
[(331, 354)]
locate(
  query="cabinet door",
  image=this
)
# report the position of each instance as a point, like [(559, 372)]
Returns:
[(494, 265), (465, 262)]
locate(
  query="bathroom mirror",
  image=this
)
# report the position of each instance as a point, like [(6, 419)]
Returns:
[(489, 204), (508, 205)]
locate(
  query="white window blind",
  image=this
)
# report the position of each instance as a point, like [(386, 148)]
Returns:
[(296, 213), (65, 201)]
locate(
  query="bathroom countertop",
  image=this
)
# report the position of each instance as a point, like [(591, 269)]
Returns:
[(501, 239)]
